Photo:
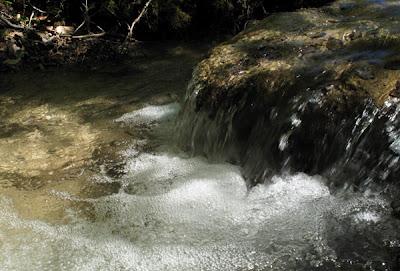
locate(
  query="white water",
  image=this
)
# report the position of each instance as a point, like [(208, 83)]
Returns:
[(174, 212)]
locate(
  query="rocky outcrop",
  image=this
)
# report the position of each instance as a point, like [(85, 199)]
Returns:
[(314, 90)]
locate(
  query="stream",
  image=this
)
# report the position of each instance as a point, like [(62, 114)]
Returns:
[(92, 178)]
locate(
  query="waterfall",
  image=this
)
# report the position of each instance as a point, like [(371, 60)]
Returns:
[(358, 149)]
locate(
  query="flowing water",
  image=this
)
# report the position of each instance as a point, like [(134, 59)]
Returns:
[(91, 178)]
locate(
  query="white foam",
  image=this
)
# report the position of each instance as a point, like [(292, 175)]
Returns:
[(179, 213), (367, 216), (193, 216), (150, 114)]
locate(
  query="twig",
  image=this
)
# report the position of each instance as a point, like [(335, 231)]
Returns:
[(87, 22), (30, 19), (87, 19), (8, 16), (37, 9), (93, 35), (132, 26), (79, 27), (6, 22), (101, 29)]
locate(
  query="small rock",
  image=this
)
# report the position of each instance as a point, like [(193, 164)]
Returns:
[(396, 91), (14, 34), (64, 30), (13, 49), (364, 73), (353, 35), (317, 35), (334, 44)]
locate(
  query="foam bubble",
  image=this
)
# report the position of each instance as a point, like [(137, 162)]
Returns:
[(194, 215), (150, 114), (175, 212), (367, 216)]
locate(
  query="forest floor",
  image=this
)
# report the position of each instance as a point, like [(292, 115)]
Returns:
[(38, 43), (31, 49)]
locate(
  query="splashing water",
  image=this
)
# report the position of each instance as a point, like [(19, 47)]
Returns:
[(175, 212)]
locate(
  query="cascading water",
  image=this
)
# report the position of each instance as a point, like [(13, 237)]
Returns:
[(177, 212), (298, 133), (274, 183), (366, 168)]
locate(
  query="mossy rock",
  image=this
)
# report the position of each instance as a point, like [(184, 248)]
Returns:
[(359, 53), (323, 66)]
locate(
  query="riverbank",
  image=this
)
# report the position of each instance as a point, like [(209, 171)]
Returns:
[(35, 35)]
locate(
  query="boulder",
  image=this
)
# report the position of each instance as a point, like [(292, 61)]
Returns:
[(312, 90)]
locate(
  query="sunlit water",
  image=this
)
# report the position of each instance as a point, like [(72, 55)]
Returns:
[(175, 212), (91, 179)]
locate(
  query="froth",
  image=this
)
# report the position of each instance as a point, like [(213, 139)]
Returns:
[(149, 114), (175, 212)]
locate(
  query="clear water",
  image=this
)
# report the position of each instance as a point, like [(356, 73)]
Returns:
[(174, 212), (102, 186)]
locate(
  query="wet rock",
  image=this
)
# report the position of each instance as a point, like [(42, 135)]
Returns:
[(334, 44), (353, 35), (338, 84), (317, 35), (365, 73), (396, 90), (13, 49)]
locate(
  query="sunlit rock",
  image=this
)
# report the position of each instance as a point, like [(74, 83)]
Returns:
[(334, 67)]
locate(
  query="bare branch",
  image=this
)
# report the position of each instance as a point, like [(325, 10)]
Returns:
[(86, 15), (30, 19), (37, 9), (80, 26), (88, 36), (132, 26)]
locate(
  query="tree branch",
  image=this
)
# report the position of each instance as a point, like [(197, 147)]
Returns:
[(88, 36), (4, 21), (132, 26)]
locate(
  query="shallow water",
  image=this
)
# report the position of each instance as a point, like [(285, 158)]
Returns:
[(173, 212), (133, 201)]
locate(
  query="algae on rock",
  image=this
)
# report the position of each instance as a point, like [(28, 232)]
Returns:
[(293, 91)]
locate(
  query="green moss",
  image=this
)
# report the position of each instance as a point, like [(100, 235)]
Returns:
[(293, 49)]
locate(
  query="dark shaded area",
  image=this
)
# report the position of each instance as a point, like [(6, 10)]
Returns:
[(165, 19)]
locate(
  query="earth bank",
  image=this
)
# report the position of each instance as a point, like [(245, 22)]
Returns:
[(38, 34)]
